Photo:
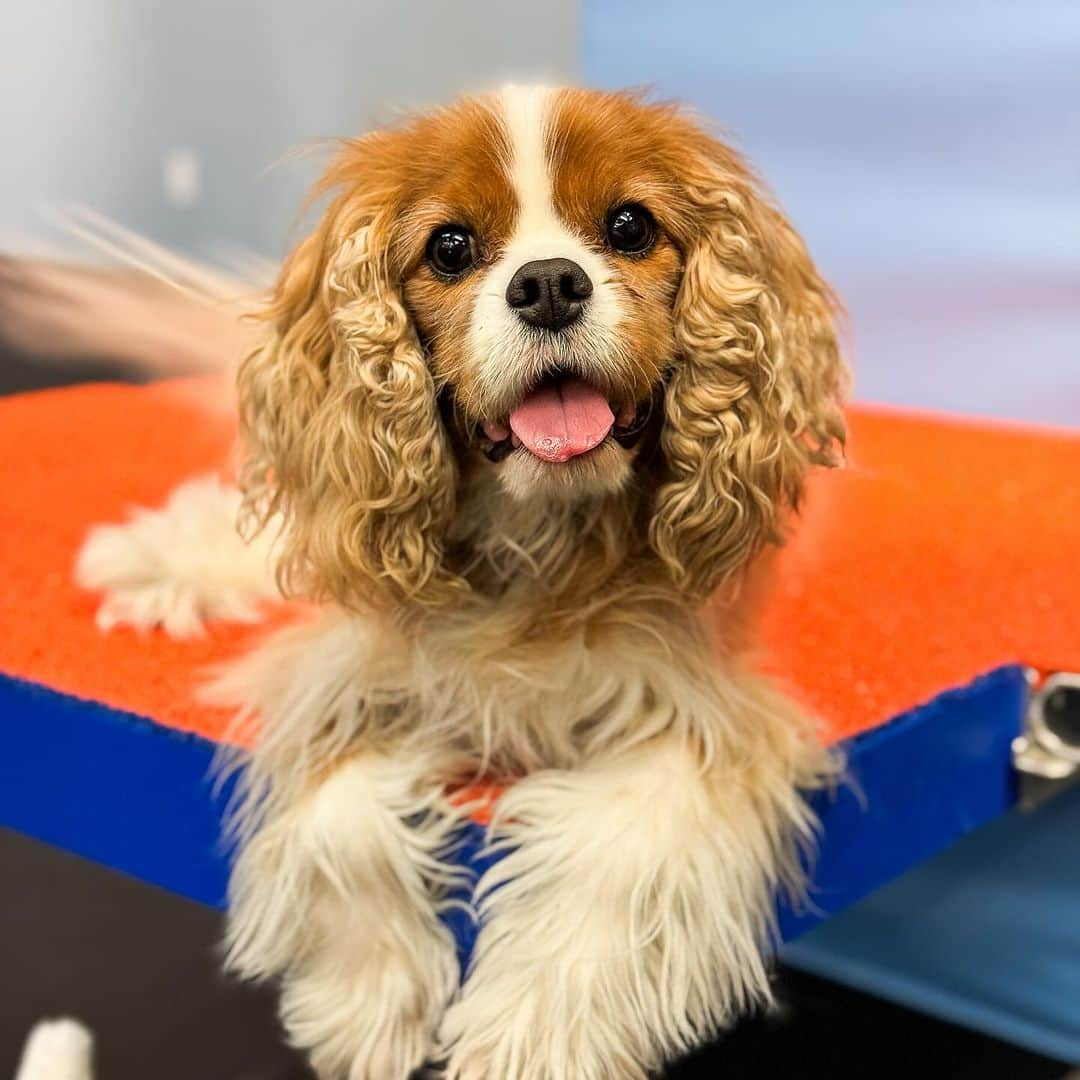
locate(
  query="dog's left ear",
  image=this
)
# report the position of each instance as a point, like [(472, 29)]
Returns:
[(756, 393), (339, 410)]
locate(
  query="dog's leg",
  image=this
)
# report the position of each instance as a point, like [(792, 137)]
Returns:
[(179, 565), (338, 895), (631, 918)]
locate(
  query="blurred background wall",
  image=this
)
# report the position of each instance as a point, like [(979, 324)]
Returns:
[(929, 152), (173, 116)]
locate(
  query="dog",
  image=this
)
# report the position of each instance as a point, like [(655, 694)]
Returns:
[(527, 408)]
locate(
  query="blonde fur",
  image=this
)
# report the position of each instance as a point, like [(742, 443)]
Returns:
[(757, 398), (339, 407), (541, 631)]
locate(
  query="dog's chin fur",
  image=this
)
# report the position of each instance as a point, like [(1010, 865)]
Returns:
[(604, 470), (532, 624)]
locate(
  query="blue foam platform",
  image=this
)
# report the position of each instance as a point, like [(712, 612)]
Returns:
[(123, 791)]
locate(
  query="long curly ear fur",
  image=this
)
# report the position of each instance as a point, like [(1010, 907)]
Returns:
[(340, 415), (755, 398)]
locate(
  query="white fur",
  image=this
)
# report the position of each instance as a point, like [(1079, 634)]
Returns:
[(507, 352), (340, 875), (337, 895), (633, 905), (525, 116), (658, 813), (60, 1049), (179, 565), (631, 915)]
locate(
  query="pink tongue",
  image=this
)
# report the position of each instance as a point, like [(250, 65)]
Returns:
[(560, 421)]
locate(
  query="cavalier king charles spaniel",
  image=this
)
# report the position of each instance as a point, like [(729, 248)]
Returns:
[(548, 374)]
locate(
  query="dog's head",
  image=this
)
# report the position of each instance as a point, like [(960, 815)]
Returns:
[(564, 295)]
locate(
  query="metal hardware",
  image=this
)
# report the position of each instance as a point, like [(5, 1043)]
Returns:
[(1047, 754)]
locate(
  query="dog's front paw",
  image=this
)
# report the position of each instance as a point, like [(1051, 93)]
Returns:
[(337, 895), (529, 1022), (624, 926), (372, 1019), (178, 566)]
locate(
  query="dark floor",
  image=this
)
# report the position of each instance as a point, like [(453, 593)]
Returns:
[(139, 966)]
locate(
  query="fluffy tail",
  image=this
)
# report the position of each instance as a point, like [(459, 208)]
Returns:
[(57, 1050), (151, 311)]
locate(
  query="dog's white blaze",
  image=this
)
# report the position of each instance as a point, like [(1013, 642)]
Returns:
[(525, 114), (539, 233), (506, 353)]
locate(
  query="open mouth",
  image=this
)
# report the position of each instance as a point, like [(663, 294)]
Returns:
[(562, 418)]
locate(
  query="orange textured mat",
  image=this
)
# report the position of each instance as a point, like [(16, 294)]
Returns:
[(947, 548)]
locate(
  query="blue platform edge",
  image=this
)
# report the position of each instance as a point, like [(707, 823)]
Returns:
[(128, 793), (985, 934)]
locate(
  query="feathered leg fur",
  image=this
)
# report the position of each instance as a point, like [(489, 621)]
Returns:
[(338, 896), (630, 918), (343, 833)]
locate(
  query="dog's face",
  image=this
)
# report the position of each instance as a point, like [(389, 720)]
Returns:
[(527, 284), (541, 262)]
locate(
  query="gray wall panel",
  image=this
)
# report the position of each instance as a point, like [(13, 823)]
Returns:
[(100, 99)]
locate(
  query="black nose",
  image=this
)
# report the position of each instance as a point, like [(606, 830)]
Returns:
[(549, 292)]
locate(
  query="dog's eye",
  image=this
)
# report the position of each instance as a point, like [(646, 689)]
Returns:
[(451, 249), (630, 228)]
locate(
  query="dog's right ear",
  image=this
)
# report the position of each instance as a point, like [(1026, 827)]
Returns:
[(756, 398), (339, 412)]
